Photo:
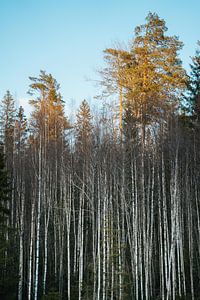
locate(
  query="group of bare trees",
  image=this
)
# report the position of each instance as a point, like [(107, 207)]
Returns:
[(98, 213)]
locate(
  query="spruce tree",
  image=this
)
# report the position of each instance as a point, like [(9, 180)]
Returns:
[(194, 86), (83, 128), (20, 130), (7, 128), (4, 212), (7, 263)]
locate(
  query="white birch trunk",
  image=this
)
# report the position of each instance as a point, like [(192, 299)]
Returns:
[(21, 247), (31, 253), (38, 221)]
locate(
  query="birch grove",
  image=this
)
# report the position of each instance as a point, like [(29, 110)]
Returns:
[(108, 219), (101, 209)]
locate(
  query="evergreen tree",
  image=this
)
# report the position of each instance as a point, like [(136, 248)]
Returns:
[(19, 191), (7, 128), (48, 111), (83, 128), (151, 73), (7, 263), (4, 212), (113, 76), (48, 125), (4, 194), (158, 77), (20, 130), (194, 86)]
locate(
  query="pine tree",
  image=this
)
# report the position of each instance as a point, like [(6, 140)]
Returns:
[(158, 77), (48, 107), (150, 74), (113, 76), (48, 126)]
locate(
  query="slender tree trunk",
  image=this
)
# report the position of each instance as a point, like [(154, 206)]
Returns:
[(31, 252), (38, 220), (21, 245)]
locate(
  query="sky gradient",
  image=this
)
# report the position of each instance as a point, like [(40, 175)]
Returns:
[(66, 38)]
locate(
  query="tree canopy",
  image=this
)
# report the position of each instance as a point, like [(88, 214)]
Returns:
[(150, 73)]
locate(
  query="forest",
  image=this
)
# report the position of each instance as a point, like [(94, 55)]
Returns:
[(105, 206)]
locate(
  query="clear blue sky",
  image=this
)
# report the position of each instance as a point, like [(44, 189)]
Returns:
[(66, 38)]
